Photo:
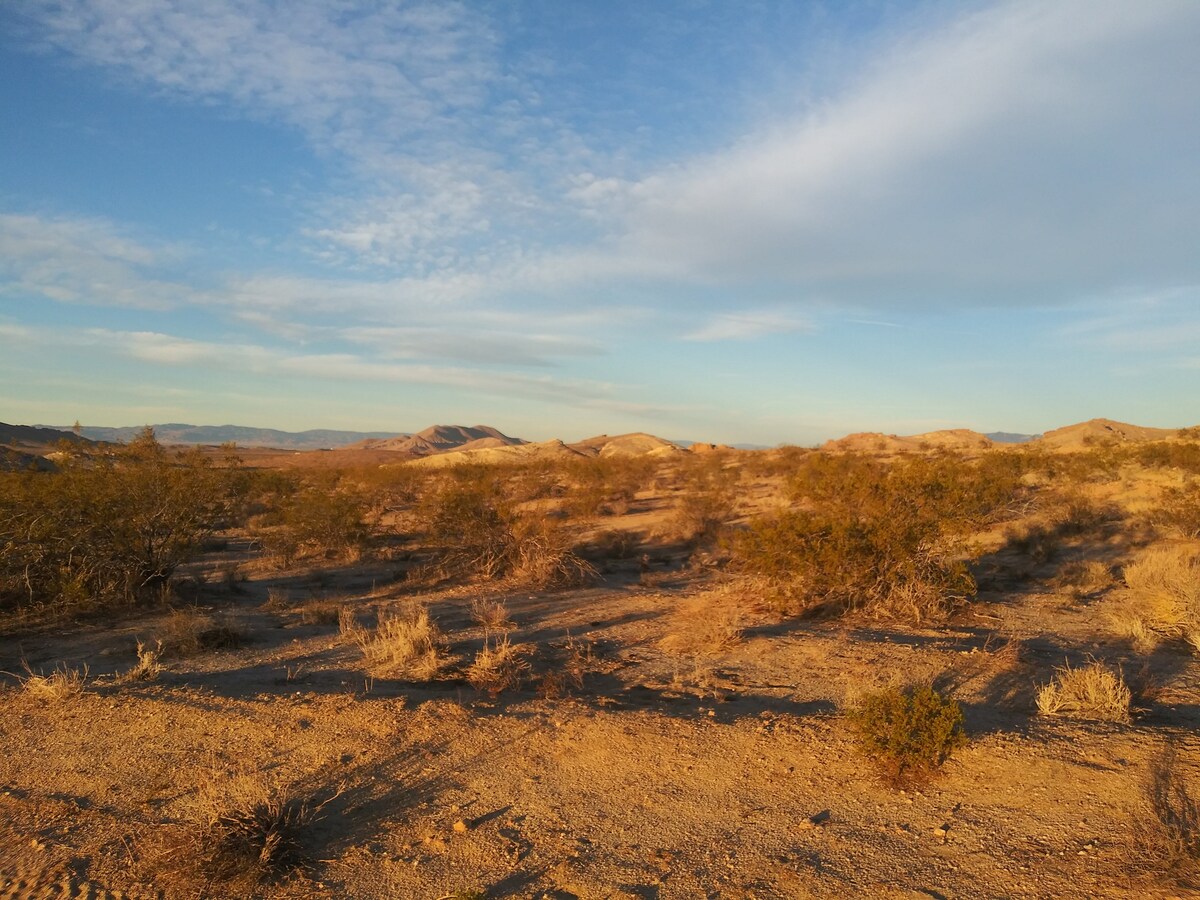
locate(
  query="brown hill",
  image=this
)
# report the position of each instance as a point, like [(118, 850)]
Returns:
[(637, 443), (951, 439), (1099, 432), (440, 439)]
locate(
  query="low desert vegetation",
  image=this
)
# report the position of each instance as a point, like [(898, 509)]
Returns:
[(110, 528), (500, 665), (1161, 599), (148, 666), (61, 684), (1093, 692), (406, 642), (247, 833), (186, 632), (908, 732), (1166, 833)]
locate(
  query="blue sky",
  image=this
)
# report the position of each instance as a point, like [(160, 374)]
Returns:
[(758, 222)]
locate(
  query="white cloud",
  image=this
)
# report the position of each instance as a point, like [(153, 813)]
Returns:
[(1022, 154)]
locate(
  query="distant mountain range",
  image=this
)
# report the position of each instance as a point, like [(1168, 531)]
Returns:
[(1008, 437), (242, 435)]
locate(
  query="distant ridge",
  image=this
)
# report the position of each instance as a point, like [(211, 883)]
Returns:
[(1009, 437), (38, 436), (242, 435), (952, 439)]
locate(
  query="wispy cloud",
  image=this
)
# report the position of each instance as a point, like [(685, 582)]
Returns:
[(75, 260), (744, 326)]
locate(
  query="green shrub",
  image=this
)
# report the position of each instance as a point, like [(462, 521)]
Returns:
[(907, 732)]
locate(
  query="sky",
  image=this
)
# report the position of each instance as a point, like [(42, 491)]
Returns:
[(756, 222)]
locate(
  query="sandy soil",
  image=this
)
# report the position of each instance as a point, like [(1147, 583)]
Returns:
[(724, 775)]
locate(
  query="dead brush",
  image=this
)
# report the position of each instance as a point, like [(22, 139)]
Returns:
[(491, 615), (1169, 837), (61, 684), (543, 557), (1161, 598), (406, 642), (705, 625), (186, 632), (1083, 578), (246, 833), (500, 665), (1091, 692), (565, 667), (321, 612), (148, 666)]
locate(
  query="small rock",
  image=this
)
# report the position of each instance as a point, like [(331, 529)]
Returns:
[(940, 832), (818, 820), (461, 826)]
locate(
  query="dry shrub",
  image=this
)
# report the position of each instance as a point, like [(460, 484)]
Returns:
[(482, 534), (500, 665), (908, 732), (1179, 513), (148, 666), (1169, 837), (565, 666), (247, 833), (705, 625), (277, 600), (1082, 578), (491, 615), (321, 612), (542, 556), (613, 543), (1162, 597), (349, 626), (187, 632), (406, 642), (1092, 692), (61, 684)]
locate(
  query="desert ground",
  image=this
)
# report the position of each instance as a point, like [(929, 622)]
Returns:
[(572, 672)]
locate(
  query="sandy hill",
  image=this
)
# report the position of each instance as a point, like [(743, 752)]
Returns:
[(499, 453), (441, 439), (1101, 431), (637, 443), (952, 439)]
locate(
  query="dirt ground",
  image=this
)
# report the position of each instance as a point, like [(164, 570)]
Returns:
[(724, 774)]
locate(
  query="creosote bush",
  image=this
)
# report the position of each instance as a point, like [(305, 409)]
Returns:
[(111, 527), (1091, 692), (481, 534), (908, 732), (887, 539)]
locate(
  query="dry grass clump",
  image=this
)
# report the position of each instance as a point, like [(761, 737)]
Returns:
[(321, 612), (705, 625), (61, 684), (1169, 837), (908, 732), (406, 642), (491, 615), (1092, 692), (1082, 578), (500, 665), (247, 833), (277, 600), (187, 632), (148, 666), (1162, 597), (565, 666)]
